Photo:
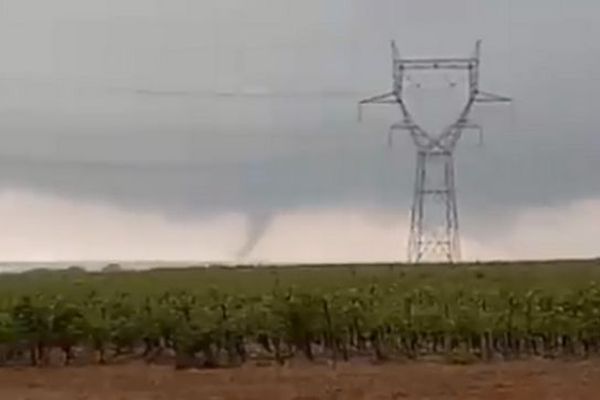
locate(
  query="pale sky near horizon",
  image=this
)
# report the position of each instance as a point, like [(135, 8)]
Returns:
[(178, 128)]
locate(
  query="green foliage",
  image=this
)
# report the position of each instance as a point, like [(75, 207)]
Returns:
[(213, 318)]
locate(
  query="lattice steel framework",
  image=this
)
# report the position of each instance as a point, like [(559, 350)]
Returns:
[(441, 241)]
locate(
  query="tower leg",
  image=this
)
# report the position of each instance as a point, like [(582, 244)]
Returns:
[(415, 240), (434, 234), (452, 233)]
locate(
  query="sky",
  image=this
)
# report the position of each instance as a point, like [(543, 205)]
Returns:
[(220, 129)]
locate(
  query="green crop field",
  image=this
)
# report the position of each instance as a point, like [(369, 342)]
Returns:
[(209, 317)]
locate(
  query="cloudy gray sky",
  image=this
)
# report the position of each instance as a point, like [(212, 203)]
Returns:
[(183, 129)]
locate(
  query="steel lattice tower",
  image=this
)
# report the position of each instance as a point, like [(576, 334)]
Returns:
[(434, 186)]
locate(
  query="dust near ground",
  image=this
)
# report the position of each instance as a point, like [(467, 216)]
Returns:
[(524, 380)]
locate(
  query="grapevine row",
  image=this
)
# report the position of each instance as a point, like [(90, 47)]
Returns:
[(382, 323)]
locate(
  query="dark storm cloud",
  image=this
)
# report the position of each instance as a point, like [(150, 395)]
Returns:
[(202, 107)]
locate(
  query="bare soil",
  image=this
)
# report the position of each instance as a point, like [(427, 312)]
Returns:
[(524, 380)]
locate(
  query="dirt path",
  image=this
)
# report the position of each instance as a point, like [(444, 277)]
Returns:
[(532, 380)]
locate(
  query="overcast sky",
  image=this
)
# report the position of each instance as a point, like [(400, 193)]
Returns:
[(225, 121)]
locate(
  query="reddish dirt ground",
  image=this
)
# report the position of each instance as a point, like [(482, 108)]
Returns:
[(531, 380)]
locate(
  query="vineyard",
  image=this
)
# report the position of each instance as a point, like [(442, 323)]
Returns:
[(208, 318)]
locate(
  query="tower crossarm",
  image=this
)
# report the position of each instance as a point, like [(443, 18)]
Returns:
[(386, 98), (486, 97), (437, 63)]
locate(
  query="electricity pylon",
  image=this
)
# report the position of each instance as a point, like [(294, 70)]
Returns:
[(431, 239)]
